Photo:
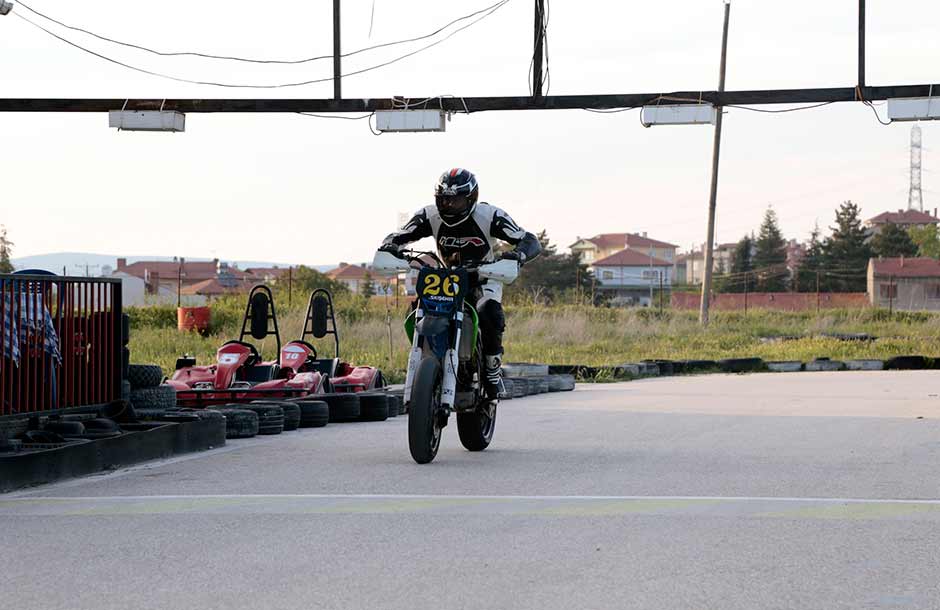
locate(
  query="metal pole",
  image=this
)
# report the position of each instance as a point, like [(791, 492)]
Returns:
[(891, 295), (661, 293), (651, 278), (290, 285), (539, 46), (861, 44), (179, 285), (817, 291), (713, 197), (745, 293), (337, 59)]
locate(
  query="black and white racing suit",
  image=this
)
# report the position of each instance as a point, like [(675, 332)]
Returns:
[(474, 240)]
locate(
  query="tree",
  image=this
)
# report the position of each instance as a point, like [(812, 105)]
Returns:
[(308, 280), (6, 249), (893, 241), (552, 275), (846, 252), (368, 286), (812, 262), (770, 255), (926, 239), (740, 264)]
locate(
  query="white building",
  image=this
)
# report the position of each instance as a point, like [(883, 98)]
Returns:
[(628, 276)]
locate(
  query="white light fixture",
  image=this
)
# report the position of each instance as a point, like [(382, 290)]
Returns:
[(678, 114), (147, 120), (914, 109), (5, 7), (404, 121)]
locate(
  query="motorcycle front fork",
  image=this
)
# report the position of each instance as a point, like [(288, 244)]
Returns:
[(449, 364)]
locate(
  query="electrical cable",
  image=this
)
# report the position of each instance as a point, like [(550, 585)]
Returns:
[(261, 61), (275, 86), (779, 111), (335, 116), (875, 110)]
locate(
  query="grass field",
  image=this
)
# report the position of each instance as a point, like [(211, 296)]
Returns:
[(567, 334)]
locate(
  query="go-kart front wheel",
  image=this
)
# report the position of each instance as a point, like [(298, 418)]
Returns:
[(424, 431)]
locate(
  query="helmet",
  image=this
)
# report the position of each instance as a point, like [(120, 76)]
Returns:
[(456, 195)]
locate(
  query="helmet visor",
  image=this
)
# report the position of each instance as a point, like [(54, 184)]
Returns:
[(453, 205)]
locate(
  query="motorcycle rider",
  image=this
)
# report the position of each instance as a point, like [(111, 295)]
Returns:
[(467, 231)]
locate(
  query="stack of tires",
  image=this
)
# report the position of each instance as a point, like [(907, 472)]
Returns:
[(147, 393)]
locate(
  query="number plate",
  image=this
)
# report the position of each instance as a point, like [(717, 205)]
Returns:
[(442, 290)]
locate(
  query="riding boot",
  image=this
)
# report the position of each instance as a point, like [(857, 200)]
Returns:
[(493, 382)]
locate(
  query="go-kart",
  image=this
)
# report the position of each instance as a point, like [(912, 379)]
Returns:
[(240, 375), (341, 376)]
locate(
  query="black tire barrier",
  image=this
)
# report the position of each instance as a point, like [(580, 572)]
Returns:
[(542, 386), (906, 363), (125, 362), (291, 412), (239, 423), (65, 428), (394, 405), (160, 397), (144, 376), (561, 383), (741, 365), (153, 414), (10, 445), (697, 366), (125, 390), (101, 424), (45, 437), (508, 387), (666, 367), (373, 407), (121, 411), (11, 428), (520, 387), (313, 413), (343, 407), (270, 416)]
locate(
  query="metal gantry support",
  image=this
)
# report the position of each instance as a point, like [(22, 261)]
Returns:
[(337, 55)]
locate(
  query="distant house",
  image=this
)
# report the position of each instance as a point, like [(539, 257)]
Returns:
[(160, 276), (268, 275), (627, 276), (352, 276), (904, 283), (902, 218), (606, 244), (690, 267)]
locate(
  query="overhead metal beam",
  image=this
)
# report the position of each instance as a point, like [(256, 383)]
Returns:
[(473, 104)]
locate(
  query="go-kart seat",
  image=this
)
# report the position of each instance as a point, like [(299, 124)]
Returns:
[(324, 366), (258, 373)]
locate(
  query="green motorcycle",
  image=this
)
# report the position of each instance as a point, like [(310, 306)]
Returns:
[(445, 365)]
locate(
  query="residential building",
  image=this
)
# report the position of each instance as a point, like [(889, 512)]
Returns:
[(902, 218), (160, 276), (268, 275), (691, 265), (904, 283), (627, 276), (606, 244)]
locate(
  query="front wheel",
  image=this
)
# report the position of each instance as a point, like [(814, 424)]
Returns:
[(424, 431), (476, 428)]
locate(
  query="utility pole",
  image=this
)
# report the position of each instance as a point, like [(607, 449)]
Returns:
[(651, 276), (745, 292), (539, 48), (713, 197), (817, 291), (290, 285), (861, 46), (891, 289), (337, 59)]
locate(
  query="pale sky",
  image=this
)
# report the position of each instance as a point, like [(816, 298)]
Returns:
[(295, 189)]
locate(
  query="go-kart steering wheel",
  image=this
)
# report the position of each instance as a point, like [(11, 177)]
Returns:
[(312, 348), (253, 358)]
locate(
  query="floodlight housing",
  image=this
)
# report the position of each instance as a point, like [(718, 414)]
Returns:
[(410, 120), (5, 7), (914, 109), (678, 114), (147, 120)]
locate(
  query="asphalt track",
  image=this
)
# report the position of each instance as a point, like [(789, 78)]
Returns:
[(814, 490)]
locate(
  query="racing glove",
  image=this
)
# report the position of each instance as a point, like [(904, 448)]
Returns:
[(514, 255)]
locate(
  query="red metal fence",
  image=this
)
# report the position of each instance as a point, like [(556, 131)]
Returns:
[(60, 341)]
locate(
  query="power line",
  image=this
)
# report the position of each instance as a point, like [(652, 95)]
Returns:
[(781, 111), (495, 8), (262, 61)]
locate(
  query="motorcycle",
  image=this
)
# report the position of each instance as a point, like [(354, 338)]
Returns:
[(446, 366)]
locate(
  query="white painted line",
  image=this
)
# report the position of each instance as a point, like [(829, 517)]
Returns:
[(508, 498)]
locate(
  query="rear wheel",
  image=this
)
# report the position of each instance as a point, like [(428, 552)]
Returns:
[(424, 431), (476, 428)]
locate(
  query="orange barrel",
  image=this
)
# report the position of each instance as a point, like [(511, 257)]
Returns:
[(193, 318)]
